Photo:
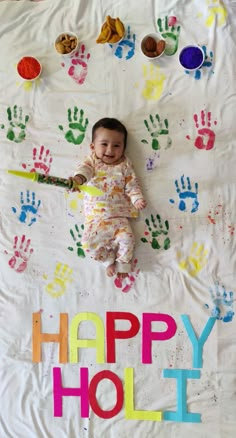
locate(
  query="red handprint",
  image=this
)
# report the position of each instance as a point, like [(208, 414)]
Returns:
[(125, 284), (78, 68), (206, 137), (41, 161), (22, 253)]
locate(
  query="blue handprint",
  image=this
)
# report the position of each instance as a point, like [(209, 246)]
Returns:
[(128, 44), (208, 61), (185, 193), (223, 303), (29, 208)]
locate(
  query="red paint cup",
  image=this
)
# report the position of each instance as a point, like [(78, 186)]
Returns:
[(29, 68)]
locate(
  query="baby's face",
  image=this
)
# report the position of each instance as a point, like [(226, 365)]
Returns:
[(108, 145)]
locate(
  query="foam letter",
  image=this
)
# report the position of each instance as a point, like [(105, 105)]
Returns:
[(198, 343), (182, 415), (149, 336), (97, 343), (59, 391), (38, 337), (113, 334), (130, 412), (119, 394)]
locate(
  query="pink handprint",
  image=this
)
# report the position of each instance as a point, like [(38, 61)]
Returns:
[(206, 138), (42, 161), (22, 253), (78, 68), (125, 284)]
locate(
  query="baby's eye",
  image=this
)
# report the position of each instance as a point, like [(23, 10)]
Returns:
[(117, 145)]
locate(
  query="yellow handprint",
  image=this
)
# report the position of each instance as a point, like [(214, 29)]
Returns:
[(62, 276), (217, 9), (194, 263), (154, 82)]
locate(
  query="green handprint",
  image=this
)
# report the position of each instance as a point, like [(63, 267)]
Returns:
[(17, 126), (155, 128), (77, 128), (170, 35), (156, 232), (80, 251)]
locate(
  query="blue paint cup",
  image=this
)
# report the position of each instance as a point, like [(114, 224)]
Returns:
[(191, 57)]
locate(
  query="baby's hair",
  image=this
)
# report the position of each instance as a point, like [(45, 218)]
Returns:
[(112, 124)]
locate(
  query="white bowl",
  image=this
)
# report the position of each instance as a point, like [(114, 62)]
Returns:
[(147, 54), (58, 40), (29, 68), (191, 57)]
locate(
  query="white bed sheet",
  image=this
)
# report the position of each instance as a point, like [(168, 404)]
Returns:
[(41, 226)]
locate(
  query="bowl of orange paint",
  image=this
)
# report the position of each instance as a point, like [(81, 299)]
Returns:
[(29, 68)]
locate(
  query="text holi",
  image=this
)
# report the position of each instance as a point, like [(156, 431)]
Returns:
[(87, 391)]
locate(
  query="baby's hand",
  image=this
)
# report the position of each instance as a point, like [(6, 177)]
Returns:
[(140, 204), (75, 182)]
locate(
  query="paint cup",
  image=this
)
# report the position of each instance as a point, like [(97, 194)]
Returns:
[(152, 46), (191, 57), (29, 68), (66, 44)]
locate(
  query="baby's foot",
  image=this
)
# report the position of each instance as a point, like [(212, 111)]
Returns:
[(110, 270), (122, 275)]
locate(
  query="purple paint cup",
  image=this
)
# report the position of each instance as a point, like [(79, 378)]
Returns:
[(191, 57)]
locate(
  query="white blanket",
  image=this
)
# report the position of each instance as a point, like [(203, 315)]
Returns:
[(153, 354)]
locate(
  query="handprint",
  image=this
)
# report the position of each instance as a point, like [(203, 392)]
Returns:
[(170, 33), (157, 128), (218, 11), (155, 231), (208, 63), (17, 124), (206, 137), (197, 259), (151, 162), (154, 82), (42, 161), (222, 301), (77, 128), (79, 249), (78, 68), (126, 46), (62, 276), (22, 253), (185, 194), (29, 208), (125, 284)]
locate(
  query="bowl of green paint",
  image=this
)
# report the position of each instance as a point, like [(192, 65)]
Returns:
[(191, 57)]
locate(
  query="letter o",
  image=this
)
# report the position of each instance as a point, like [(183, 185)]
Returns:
[(106, 374)]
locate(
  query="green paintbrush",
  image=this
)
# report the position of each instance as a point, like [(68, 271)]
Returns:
[(56, 181)]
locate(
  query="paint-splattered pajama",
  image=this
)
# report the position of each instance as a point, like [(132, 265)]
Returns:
[(107, 234)]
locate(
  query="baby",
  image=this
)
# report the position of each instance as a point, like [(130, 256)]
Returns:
[(107, 235)]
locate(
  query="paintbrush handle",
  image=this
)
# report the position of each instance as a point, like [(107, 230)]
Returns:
[(55, 181)]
